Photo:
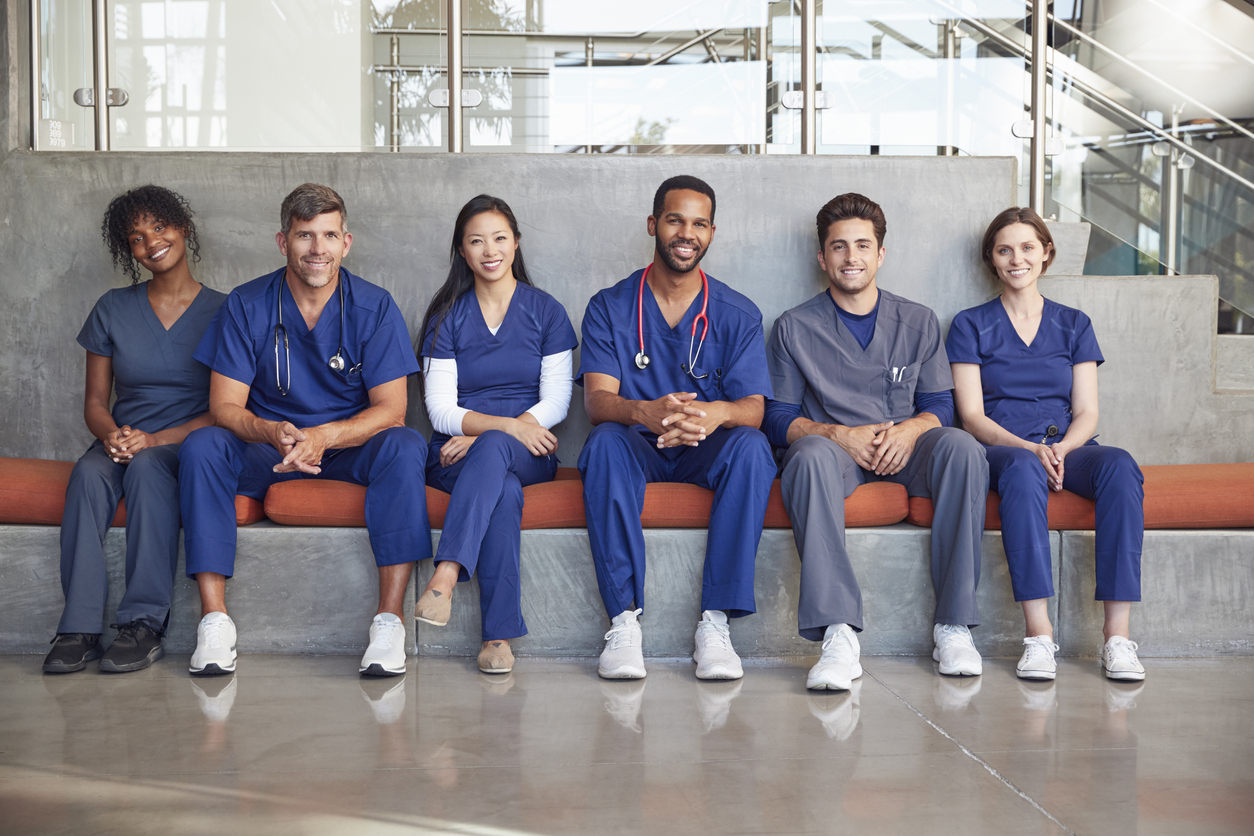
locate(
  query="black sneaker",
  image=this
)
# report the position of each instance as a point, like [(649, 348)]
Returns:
[(71, 652), (136, 647)]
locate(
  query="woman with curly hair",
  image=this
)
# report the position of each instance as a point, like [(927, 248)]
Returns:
[(139, 341)]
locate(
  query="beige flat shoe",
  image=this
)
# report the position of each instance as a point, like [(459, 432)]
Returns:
[(433, 608), (496, 657)]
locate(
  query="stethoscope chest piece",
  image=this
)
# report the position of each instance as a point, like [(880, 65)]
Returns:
[(642, 360), (337, 363)]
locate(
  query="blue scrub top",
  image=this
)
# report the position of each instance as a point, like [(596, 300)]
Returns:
[(158, 384), (499, 374), (1026, 387), (734, 354), (241, 345)]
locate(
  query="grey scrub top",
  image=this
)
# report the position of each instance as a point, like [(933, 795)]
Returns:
[(157, 382), (817, 363)]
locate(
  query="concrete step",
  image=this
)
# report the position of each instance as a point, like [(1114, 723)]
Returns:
[(314, 590)]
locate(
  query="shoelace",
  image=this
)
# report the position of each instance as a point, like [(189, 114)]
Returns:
[(1123, 650), (621, 635), (1038, 651), (837, 646), (128, 633), (213, 635), (952, 633), (716, 634), (385, 633)]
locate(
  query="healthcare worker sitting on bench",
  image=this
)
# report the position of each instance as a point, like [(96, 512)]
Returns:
[(862, 391), (674, 373), (309, 380), (497, 373), (1025, 375)]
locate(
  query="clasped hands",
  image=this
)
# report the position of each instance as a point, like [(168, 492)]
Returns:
[(884, 449), (302, 449), (124, 442), (1051, 458), (679, 419), (537, 440)]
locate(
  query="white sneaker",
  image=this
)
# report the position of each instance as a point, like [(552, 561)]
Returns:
[(838, 667), (1120, 662), (955, 651), (623, 656), (215, 646), (1037, 661), (714, 655), (386, 654)]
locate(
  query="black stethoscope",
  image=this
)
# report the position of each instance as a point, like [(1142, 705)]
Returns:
[(337, 363), (642, 359)]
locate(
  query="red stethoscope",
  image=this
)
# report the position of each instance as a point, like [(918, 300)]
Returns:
[(642, 359)]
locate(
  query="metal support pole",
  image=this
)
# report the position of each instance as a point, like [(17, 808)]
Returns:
[(760, 54), (100, 70), (1040, 42), (454, 76), (36, 73), (948, 49), (589, 52), (809, 113), (394, 126), (1171, 202)]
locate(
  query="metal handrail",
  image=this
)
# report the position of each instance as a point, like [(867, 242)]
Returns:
[(1089, 39), (1097, 95)]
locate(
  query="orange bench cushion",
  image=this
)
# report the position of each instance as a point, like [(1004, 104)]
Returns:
[(32, 492), (1176, 496), (559, 504)]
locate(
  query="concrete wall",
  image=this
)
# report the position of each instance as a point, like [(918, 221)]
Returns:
[(583, 228)]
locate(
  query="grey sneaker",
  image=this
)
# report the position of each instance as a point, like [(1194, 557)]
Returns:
[(623, 656)]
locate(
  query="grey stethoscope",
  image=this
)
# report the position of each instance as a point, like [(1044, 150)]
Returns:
[(337, 363)]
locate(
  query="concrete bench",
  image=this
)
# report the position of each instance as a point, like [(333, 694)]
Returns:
[(305, 578)]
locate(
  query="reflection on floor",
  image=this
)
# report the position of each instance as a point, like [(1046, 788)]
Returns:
[(300, 745)]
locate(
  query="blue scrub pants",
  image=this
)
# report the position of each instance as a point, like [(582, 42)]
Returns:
[(150, 485), (616, 464), (483, 526), (1106, 474), (216, 465)]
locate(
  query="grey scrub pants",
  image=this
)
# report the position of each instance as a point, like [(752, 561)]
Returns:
[(947, 466), (150, 485)]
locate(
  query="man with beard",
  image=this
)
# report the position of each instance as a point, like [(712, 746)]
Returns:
[(674, 373), (308, 379), (863, 393)]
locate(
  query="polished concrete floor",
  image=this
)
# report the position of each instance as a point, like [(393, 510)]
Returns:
[(301, 745)]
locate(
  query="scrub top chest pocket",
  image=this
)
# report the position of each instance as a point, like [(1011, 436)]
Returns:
[(899, 386)]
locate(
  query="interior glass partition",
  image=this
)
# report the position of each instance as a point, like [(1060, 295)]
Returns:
[(65, 37)]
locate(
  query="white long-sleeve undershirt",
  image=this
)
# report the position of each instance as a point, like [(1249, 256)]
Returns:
[(440, 376)]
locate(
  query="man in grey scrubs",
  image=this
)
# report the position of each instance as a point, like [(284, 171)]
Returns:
[(863, 393)]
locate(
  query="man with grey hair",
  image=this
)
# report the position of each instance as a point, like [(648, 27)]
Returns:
[(308, 380)]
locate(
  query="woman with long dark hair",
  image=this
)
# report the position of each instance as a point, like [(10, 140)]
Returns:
[(496, 355), (1025, 382), (139, 342)]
